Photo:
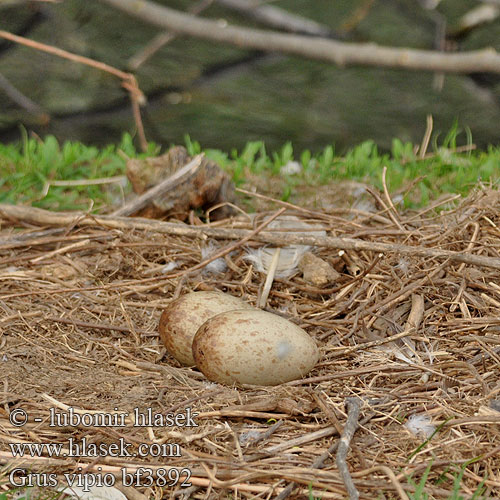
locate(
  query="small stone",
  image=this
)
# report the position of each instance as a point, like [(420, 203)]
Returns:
[(317, 271)]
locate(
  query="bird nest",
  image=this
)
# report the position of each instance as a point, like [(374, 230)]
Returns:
[(408, 375)]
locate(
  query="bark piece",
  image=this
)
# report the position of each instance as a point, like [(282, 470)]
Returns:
[(208, 186)]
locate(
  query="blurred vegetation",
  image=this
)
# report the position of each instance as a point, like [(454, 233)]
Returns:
[(225, 96)]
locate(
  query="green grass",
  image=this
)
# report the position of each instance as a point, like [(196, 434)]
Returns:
[(29, 168), (457, 475)]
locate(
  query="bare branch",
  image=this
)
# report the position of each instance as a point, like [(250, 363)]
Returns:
[(341, 53), (128, 79), (278, 18)]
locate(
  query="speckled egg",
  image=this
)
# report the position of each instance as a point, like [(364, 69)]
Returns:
[(253, 347), (182, 317)]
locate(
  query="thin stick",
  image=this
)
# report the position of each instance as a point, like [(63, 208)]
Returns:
[(25, 102), (269, 278), (128, 79), (319, 462), (426, 138), (353, 408), (471, 243), (228, 249), (393, 213), (313, 213), (381, 202), (94, 326), (64, 54), (77, 244), (268, 433), (299, 441), (376, 343)]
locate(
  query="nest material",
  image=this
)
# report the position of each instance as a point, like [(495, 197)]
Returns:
[(405, 334)]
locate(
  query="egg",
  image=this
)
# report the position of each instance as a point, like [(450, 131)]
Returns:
[(182, 317), (253, 347)]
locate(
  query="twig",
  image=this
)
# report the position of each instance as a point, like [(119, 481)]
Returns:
[(299, 441), (269, 432), (160, 189), (318, 463), (10, 3), (44, 217), (471, 244), (25, 102), (67, 248), (228, 249), (314, 213), (353, 408), (392, 477), (269, 278), (384, 206), (426, 139), (162, 39), (128, 79), (94, 326), (340, 53), (379, 342), (266, 434), (392, 212)]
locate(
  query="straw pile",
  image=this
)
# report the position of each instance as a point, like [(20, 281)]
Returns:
[(411, 328)]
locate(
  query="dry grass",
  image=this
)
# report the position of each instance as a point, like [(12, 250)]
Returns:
[(79, 328)]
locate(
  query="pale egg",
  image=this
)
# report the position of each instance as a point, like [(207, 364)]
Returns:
[(253, 347), (182, 317)]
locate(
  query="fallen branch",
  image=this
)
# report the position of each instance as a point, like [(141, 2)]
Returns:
[(340, 53), (38, 216)]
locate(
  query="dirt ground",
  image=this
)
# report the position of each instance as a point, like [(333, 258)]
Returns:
[(410, 328)]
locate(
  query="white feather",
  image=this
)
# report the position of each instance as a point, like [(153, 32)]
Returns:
[(290, 255), (216, 266), (420, 425)]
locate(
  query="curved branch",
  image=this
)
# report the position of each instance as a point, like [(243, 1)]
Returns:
[(341, 53)]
